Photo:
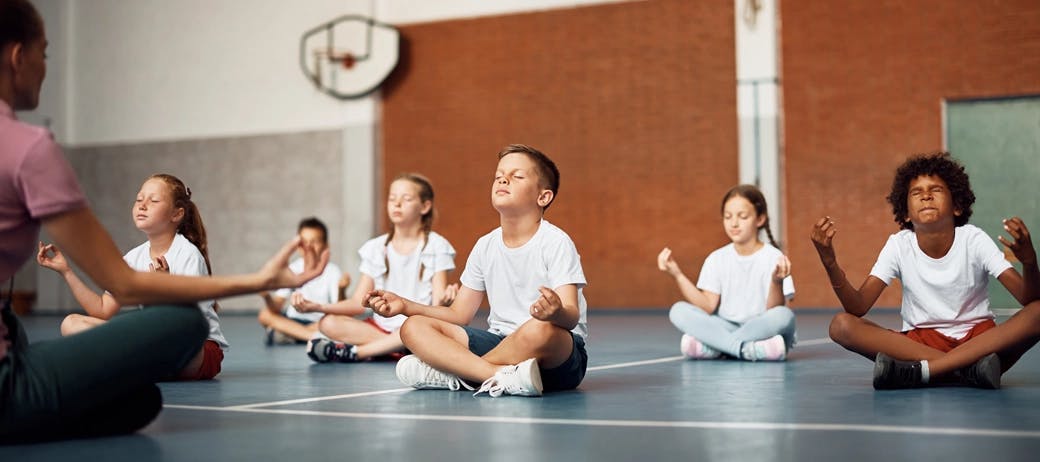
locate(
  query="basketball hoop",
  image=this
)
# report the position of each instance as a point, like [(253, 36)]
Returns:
[(349, 56)]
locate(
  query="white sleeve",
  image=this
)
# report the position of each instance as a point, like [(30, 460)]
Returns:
[(444, 255), (709, 279), (788, 287), (473, 275), (334, 275), (373, 258), (887, 266), (564, 264), (986, 252)]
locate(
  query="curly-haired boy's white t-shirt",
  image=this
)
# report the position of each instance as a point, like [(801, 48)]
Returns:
[(947, 294), (183, 259), (511, 276), (435, 255)]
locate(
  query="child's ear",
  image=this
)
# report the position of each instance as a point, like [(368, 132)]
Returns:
[(957, 212), (178, 215), (426, 207), (761, 221), (545, 198)]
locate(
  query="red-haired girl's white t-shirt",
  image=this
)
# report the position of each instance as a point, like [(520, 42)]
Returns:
[(186, 260)]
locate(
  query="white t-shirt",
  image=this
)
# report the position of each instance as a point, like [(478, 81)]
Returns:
[(742, 281), (947, 294), (511, 277), (323, 289), (435, 255), (184, 259)]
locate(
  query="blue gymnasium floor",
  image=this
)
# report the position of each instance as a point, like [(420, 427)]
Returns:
[(639, 401)]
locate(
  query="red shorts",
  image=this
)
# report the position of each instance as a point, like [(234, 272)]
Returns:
[(934, 339), (212, 356), (389, 357), (371, 321)]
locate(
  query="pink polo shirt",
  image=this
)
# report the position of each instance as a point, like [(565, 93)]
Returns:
[(36, 181)]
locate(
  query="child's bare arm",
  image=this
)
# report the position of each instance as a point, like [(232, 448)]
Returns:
[(352, 306), (1025, 287), (707, 301), (855, 302), (776, 283), (559, 307), (460, 312)]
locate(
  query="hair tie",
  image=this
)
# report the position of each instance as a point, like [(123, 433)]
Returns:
[(188, 191)]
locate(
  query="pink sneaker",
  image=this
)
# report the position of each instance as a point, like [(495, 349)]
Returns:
[(694, 349), (770, 349)]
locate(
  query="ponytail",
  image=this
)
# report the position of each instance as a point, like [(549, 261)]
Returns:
[(191, 226)]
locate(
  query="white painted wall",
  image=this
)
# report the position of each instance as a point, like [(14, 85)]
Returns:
[(758, 102), (154, 70)]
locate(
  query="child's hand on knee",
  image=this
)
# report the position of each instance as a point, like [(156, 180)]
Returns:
[(303, 305), (547, 305)]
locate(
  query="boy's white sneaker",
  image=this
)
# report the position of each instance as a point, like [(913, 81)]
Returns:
[(524, 379), (413, 372)]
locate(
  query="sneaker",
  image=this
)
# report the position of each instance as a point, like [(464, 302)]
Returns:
[(893, 374), (413, 372), (692, 348), (273, 337), (985, 373), (524, 379), (323, 350), (770, 349)]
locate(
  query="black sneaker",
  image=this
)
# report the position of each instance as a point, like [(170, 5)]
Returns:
[(323, 350), (892, 374), (985, 373)]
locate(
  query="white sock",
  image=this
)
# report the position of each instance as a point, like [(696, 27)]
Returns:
[(924, 372)]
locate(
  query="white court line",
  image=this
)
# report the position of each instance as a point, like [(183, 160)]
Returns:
[(811, 342), (634, 363), (814, 341), (708, 425), (320, 398)]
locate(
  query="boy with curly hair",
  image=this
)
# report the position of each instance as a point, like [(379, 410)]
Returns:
[(944, 265)]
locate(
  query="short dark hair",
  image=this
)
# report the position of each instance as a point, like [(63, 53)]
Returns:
[(939, 164), (19, 22), (314, 223), (547, 171)]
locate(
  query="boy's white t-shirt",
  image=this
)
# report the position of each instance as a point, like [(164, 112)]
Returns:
[(511, 277), (742, 281), (947, 294), (183, 259), (403, 279), (323, 289)]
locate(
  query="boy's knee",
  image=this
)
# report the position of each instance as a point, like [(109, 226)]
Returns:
[(414, 328), (840, 327), (536, 334)]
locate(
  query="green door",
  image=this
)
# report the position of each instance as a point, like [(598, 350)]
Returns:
[(999, 143)]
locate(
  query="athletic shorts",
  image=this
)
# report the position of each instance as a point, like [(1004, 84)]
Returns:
[(566, 376), (939, 341), (212, 357)]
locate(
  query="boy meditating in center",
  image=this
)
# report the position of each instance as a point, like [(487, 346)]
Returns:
[(531, 273)]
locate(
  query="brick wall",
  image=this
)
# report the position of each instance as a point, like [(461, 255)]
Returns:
[(863, 86), (634, 101)]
